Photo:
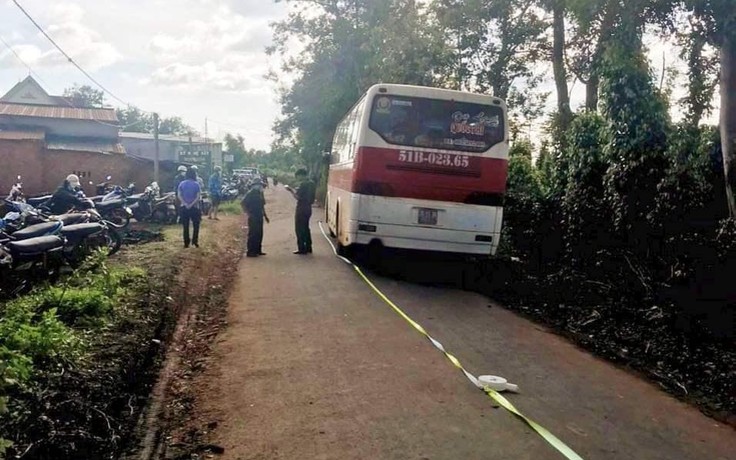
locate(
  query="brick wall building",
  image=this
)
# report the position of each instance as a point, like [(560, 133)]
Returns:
[(44, 138)]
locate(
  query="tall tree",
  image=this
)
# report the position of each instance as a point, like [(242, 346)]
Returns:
[(719, 17), (564, 113), (349, 45), (496, 42), (702, 68), (497, 46), (84, 96), (594, 21)]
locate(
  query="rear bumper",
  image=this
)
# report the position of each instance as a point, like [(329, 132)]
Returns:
[(423, 240), (461, 229)]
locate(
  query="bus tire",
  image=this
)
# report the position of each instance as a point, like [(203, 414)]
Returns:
[(341, 249), (327, 217)]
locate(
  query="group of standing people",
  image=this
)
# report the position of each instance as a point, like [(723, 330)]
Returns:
[(254, 205), (189, 187)]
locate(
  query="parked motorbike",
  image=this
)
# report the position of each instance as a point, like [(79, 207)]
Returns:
[(24, 260), (164, 209), (16, 191), (229, 192), (114, 210), (82, 233), (103, 188)]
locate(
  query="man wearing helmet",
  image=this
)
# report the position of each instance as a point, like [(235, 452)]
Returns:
[(66, 196), (181, 173)]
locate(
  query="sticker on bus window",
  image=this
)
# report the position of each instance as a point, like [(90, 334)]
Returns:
[(401, 103), (383, 105), (460, 125), (491, 122)]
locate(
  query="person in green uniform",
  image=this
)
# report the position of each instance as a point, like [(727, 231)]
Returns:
[(254, 204), (304, 195)]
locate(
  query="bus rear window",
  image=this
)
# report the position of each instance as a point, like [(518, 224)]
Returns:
[(437, 124)]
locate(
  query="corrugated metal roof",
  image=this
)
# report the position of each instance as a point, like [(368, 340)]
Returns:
[(45, 111), (169, 137), (22, 135), (86, 146)]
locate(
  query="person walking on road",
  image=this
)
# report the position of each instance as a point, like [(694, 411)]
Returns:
[(215, 186), (254, 204), (190, 194), (304, 195)]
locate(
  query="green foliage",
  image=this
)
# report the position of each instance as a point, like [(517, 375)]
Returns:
[(134, 120), (545, 167), (84, 96), (46, 328), (349, 47), (523, 206), (636, 136), (583, 211), (231, 207)]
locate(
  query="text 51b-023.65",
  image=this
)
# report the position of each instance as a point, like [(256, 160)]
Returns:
[(431, 158)]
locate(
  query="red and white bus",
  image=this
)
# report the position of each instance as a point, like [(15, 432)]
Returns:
[(420, 168)]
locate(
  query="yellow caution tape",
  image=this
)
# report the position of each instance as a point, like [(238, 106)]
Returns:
[(553, 440)]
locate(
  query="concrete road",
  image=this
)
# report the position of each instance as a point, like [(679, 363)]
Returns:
[(314, 365)]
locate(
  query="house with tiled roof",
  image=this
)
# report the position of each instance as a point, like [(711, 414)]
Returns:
[(27, 106), (44, 137)]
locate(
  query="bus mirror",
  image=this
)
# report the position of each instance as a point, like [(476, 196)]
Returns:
[(327, 157)]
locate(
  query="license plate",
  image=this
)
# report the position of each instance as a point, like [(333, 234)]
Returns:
[(427, 216)]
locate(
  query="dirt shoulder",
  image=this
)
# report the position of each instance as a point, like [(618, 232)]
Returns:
[(199, 293)]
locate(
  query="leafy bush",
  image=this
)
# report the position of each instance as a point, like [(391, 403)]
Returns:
[(42, 329), (636, 124)]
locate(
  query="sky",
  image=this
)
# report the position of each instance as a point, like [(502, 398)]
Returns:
[(195, 59)]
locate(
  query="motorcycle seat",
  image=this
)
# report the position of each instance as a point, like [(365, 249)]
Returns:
[(72, 218), (39, 200), (104, 205), (81, 230), (35, 245), (33, 231)]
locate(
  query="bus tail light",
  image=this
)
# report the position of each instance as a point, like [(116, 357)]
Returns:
[(484, 238), (367, 228)]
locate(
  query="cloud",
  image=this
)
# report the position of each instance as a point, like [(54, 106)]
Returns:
[(224, 51), (65, 24), (209, 75), (222, 32)]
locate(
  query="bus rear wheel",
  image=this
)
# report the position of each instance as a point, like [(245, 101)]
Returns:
[(341, 249), (327, 217)]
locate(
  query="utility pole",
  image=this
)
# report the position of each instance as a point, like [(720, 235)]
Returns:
[(156, 152), (191, 146), (207, 141)]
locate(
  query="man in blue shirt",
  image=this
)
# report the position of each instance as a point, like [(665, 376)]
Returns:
[(215, 187), (190, 194)]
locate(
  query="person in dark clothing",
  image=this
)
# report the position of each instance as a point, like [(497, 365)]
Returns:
[(190, 194), (304, 195), (66, 197), (254, 204)]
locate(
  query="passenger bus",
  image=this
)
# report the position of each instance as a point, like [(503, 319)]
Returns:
[(419, 168)]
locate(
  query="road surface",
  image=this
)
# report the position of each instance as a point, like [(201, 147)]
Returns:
[(314, 365)]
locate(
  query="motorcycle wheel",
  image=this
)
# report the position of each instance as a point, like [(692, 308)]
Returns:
[(119, 218)]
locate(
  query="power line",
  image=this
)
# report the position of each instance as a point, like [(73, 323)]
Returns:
[(69, 58), (65, 99)]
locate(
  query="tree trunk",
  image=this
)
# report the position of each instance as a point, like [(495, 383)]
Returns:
[(558, 65), (591, 93), (728, 117)]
